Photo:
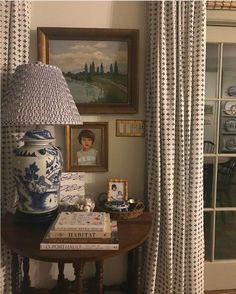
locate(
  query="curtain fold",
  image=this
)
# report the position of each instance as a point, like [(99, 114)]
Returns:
[(15, 24), (174, 253)]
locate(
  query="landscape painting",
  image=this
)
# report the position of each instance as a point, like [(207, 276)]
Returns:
[(100, 66), (96, 71)]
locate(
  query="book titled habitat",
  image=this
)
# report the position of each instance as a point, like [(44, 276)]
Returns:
[(96, 71)]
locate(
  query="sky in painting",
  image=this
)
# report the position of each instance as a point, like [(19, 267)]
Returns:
[(71, 55)]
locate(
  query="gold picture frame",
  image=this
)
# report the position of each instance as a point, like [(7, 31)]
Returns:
[(117, 190), (96, 160), (130, 128), (100, 66)]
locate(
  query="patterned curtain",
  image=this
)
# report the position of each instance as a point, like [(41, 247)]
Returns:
[(174, 253), (15, 24)]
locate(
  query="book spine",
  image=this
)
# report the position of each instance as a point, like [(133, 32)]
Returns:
[(76, 234), (79, 229), (80, 241), (69, 246)]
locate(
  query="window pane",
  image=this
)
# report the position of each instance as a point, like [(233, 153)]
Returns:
[(225, 243), (208, 180), (210, 124), (226, 182), (229, 71), (211, 70), (208, 234)]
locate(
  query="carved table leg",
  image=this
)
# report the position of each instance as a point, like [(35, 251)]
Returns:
[(138, 268), (99, 277), (25, 286), (61, 273), (78, 267), (61, 284), (134, 270), (15, 273)]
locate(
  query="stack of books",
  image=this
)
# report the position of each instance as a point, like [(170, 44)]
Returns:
[(81, 231)]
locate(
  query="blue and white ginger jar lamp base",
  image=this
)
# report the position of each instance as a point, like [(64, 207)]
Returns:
[(37, 171)]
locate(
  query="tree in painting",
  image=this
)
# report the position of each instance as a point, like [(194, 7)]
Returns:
[(96, 71)]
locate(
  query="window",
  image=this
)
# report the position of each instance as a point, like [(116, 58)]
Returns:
[(220, 152)]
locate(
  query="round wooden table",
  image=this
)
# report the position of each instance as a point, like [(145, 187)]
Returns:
[(25, 239)]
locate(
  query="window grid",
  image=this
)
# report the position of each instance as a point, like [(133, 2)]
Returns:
[(217, 155)]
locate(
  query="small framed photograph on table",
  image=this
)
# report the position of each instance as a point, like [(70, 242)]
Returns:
[(117, 190)]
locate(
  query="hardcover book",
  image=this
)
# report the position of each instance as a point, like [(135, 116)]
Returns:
[(112, 243), (81, 221), (88, 234)]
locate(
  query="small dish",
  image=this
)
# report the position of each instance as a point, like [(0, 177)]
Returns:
[(231, 91), (230, 125), (117, 205), (229, 143), (230, 108)]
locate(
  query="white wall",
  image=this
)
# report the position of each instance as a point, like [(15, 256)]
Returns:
[(126, 155)]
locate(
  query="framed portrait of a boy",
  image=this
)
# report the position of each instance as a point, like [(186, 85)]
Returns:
[(117, 190), (86, 147)]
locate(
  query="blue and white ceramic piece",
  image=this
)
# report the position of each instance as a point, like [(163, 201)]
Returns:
[(231, 91), (37, 171), (117, 205), (230, 125)]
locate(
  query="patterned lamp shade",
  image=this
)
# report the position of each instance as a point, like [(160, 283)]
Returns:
[(38, 95)]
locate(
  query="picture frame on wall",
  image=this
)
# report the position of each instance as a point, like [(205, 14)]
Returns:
[(130, 128), (117, 190), (86, 147), (99, 65)]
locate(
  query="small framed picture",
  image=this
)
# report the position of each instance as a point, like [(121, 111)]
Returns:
[(117, 190), (87, 147), (130, 128), (208, 109)]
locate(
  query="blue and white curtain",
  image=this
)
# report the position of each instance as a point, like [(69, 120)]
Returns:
[(174, 253), (15, 36)]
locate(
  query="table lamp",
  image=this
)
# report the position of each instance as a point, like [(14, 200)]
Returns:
[(38, 95)]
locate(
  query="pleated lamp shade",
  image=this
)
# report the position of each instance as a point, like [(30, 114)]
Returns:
[(38, 95)]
